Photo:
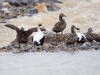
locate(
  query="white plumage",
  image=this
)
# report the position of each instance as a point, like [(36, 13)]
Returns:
[(38, 36), (80, 35)]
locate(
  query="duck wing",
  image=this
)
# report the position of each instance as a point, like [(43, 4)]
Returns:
[(59, 25), (92, 36), (97, 37), (30, 31), (13, 27), (70, 38)]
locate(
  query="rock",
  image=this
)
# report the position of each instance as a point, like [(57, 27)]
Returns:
[(70, 48), (1, 12), (1, 6), (63, 46), (16, 50), (6, 48), (9, 16), (53, 8), (41, 7), (57, 48), (95, 45), (34, 2), (32, 11), (85, 46), (3, 49), (48, 36), (46, 47), (28, 15), (47, 33)]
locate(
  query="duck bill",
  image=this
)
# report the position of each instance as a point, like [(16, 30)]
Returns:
[(65, 16), (77, 28), (43, 29)]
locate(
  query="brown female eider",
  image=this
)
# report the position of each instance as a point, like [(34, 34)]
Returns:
[(71, 38), (92, 36), (61, 25), (22, 35)]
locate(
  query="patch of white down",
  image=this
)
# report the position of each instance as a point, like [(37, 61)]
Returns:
[(46, 63)]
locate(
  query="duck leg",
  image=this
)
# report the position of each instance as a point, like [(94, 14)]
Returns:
[(19, 45), (56, 39), (33, 47), (61, 33)]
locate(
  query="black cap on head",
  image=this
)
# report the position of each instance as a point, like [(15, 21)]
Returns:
[(40, 25)]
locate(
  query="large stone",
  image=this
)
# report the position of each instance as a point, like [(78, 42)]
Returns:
[(85, 46), (32, 11)]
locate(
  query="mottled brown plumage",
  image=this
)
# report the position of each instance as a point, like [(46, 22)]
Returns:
[(90, 36), (61, 25), (71, 38), (22, 35)]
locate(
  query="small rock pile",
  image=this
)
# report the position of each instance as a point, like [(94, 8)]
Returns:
[(51, 44)]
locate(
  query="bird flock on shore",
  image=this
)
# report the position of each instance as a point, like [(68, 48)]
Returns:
[(44, 40)]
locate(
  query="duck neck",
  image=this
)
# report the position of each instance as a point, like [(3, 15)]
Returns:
[(60, 18), (39, 30), (89, 32), (72, 30)]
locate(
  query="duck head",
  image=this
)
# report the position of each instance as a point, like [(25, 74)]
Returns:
[(22, 29), (40, 26), (73, 28), (62, 15), (90, 30)]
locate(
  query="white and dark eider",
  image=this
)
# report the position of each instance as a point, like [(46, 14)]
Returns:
[(23, 35), (81, 37), (38, 38)]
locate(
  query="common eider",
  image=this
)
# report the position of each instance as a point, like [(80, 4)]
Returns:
[(38, 38), (61, 25), (90, 36), (22, 35), (81, 37), (71, 38)]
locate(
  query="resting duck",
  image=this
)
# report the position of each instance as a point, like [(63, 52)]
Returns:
[(81, 37), (71, 38), (22, 35), (61, 25), (39, 37), (92, 36)]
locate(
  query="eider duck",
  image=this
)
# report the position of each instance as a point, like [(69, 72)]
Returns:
[(61, 25), (81, 37), (38, 38), (92, 36), (71, 38), (22, 35)]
